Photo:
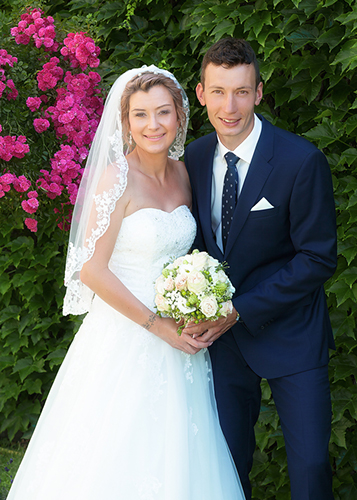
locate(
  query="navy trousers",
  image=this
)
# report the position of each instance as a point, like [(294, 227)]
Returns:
[(303, 403)]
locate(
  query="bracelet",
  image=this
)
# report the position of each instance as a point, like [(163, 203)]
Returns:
[(237, 317)]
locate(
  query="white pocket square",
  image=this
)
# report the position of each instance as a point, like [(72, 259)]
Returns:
[(262, 204)]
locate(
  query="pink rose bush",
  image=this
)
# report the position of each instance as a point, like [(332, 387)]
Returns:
[(40, 29), (41, 124), (81, 51), (6, 84), (59, 118), (50, 75), (194, 287)]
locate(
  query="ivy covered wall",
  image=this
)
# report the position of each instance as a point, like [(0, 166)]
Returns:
[(307, 51)]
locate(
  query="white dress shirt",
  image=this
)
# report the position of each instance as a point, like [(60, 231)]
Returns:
[(245, 152)]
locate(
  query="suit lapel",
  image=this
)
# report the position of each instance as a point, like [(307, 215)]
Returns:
[(258, 172), (204, 194)]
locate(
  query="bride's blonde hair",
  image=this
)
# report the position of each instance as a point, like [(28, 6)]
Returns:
[(145, 82)]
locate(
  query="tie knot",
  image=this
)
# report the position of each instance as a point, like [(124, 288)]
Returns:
[(231, 159)]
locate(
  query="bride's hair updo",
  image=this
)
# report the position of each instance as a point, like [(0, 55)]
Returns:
[(145, 82)]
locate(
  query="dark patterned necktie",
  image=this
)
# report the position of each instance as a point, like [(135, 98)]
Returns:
[(230, 194)]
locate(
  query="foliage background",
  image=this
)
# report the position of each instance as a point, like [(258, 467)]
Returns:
[(307, 51)]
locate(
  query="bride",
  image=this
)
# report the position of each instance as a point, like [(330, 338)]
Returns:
[(131, 414)]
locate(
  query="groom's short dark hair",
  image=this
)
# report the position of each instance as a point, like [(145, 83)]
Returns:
[(230, 52)]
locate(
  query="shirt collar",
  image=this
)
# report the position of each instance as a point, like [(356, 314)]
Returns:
[(246, 149)]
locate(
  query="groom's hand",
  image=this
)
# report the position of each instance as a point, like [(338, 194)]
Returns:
[(209, 331)]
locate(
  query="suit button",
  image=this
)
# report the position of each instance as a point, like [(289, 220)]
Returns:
[(262, 327)]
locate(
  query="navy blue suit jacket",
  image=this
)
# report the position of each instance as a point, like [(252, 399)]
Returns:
[(278, 258)]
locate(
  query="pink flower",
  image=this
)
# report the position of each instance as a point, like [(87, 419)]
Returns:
[(40, 29), (31, 224), (14, 93), (41, 124), (36, 14), (80, 50), (32, 194), (30, 206), (21, 184), (30, 30), (2, 88), (20, 148), (7, 178), (50, 75), (11, 146), (6, 58), (22, 25), (55, 189), (33, 103), (39, 22)]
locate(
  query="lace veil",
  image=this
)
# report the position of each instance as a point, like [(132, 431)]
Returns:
[(103, 183)]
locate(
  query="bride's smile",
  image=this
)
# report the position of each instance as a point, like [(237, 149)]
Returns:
[(153, 119)]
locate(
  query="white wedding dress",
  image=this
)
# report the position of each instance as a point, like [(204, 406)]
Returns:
[(129, 417)]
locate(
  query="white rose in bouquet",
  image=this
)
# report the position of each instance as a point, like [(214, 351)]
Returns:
[(181, 281), (178, 262), (199, 260), (226, 308), (219, 277), (169, 284), (209, 306), (161, 303), (160, 285), (196, 282)]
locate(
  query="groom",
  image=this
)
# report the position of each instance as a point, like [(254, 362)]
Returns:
[(277, 232)]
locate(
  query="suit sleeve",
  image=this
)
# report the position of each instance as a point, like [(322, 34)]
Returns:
[(199, 242), (313, 235)]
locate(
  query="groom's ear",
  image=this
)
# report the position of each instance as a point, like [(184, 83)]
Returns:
[(200, 94)]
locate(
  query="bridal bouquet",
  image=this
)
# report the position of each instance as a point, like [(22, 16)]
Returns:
[(194, 287)]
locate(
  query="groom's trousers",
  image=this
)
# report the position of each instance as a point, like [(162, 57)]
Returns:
[(303, 403)]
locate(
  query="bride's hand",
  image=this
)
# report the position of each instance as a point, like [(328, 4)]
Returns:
[(167, 331)]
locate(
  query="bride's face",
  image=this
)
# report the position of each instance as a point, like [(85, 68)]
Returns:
[(153, 119)]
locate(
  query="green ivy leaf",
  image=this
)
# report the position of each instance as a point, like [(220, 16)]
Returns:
[(343, 400), (332, 37), (323, 134), (347, 56), (302, 36), (338, 432), (344, 366), (224, 28), (5, 283)]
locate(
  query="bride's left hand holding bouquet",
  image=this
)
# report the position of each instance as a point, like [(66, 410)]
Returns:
[(195, 288)]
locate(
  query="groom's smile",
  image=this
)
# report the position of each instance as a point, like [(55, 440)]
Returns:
[(230, 95)]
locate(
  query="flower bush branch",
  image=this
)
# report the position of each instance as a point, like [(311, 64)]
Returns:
[(62, 110)]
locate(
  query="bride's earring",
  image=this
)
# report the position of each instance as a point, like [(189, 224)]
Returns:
[(130, 139)]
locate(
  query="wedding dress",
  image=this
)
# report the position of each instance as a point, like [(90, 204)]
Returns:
[(128, 416)]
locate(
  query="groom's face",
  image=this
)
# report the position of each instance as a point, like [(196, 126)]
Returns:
[(230, 95)]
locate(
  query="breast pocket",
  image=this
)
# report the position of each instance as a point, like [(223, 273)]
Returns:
[(260, 214)]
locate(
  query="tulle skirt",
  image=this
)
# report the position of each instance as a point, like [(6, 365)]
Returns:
[(128, 417)]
